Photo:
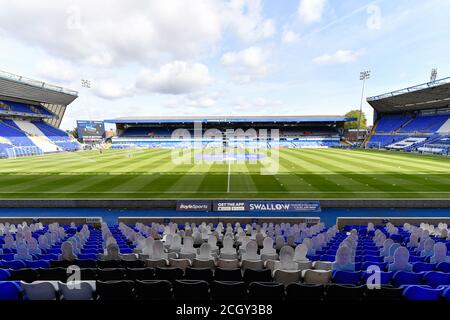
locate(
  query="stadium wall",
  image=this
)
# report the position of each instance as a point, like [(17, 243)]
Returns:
[(171, 204)]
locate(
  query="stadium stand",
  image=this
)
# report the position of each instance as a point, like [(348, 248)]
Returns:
[(294, 132), (276, 261), (30, 114), (416, 119)]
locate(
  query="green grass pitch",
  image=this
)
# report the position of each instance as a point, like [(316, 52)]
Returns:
[(151, 173)]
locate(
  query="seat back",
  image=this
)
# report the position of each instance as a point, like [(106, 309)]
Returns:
[(322, 265), (265, 291), (385, 293), (422, 293), (80, 290), (205, 274), (228, 264), (39, 291), (257, 275), (110, 274), (303, 291), (265, 257), (25, 275), (168, 273), (157, 263), (115, 290), (228, 274), (140, 274), (153, 290), (347, 277), (180, 263), (228, 290), (191, 290), (252, 264), (304, 265), (197, 263), (55, 274), (436, 278), (401, 278), (316, 276), (345, 292), (287, 277), (10, 291)]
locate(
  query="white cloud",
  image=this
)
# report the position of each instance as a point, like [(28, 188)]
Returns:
[(111, 32), (177, 77), (111, 89), (195, 101), (56, 70), (255, 105), (247, 20), (289, 37), (310, 11), (108, 33), (248, 64), (340, 56)]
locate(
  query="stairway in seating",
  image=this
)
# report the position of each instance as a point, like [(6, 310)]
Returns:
[(445, 127), (405, 124), (37, 136), (369, 136)]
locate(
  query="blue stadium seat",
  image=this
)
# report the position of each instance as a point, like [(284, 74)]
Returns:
[(413, 258), (422, 293), (373, 258), (443, 267), (87, 256), (382, 265), (436, 278), (38, 264), (402, 278), (4, 274), (385, 277), (422, 266), (48, 256), (328, 257), (446, 293), (7, 257), (15, 265), (10, 291), (347, 277)]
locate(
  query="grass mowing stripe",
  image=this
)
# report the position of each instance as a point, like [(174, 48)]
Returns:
[(46, 162), (319, 181), (411, 176), (421, 160), (332, 166), (241, 178), (389, 173), (396, 164)]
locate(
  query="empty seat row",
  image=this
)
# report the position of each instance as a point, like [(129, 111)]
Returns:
[(204, 291)]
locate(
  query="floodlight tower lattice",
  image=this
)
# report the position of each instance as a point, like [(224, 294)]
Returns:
[(363, 76)]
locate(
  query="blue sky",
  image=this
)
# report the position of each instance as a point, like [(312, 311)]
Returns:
[(237, 57)]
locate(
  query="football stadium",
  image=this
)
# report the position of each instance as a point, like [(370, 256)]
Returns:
[(251, 211)]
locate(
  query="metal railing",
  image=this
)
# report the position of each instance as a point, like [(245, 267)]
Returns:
[(411, 89), (36, 83)]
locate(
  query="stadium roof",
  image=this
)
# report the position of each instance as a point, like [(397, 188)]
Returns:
[(429, 95), (28, 90), (215, 119)]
